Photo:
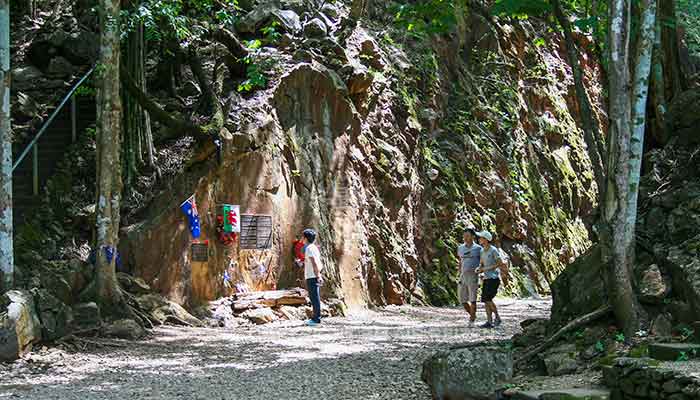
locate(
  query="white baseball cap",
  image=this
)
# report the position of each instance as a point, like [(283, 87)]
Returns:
[(485, 234)]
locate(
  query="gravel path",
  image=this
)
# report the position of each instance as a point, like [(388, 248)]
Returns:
[(369, 355)]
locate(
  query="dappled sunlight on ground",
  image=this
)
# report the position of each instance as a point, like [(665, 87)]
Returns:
[(369, 355)]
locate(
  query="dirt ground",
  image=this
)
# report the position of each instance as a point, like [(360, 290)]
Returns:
[(369, 355)]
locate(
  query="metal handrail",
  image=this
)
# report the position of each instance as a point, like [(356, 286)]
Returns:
[(50, 120)]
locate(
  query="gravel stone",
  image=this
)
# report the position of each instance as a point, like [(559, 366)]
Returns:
[(375, 354)]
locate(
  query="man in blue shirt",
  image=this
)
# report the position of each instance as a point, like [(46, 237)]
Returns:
[(469, 256)]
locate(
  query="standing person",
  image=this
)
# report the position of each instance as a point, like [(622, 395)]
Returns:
[(298, 251), (312, 273), (490, 265), (469, 256)]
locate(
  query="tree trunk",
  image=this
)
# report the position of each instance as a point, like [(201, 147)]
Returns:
[(109, 170), (6, 249), (31, 8), (591, 130), (675, 82), (658, 87), (640, 87), (616, 235)]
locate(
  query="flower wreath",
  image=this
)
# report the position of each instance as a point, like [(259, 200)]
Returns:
[(225, 238)]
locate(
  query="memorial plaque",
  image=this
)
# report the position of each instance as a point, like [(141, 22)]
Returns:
[(256, 232), (200, 252)]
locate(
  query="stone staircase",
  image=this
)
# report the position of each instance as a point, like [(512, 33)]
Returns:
[(671, 371), (51, 148)]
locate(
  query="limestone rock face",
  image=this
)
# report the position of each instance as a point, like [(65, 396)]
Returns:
[(20, 327), (469, 373), (344, 140)]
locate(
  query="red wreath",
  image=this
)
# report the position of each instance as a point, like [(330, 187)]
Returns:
[(225, 238)]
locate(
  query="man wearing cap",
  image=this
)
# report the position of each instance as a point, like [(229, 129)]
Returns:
[(312, 274), (490, 265), (469, 256)]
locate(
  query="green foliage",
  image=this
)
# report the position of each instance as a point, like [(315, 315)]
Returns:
[(521, 8), (425, 17), (686, 333), (620, 337), (683, 356), (87, 89), (255, 69), (178, 19), (688, 12), (639, 351), (600, 346), (271, 32)]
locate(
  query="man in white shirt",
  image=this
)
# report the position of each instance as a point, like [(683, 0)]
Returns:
[(469, 255), (312, 274)]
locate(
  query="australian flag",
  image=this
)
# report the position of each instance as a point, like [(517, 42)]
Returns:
[(189, 207)]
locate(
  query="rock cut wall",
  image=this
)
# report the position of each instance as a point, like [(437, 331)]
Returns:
[(388, 148)]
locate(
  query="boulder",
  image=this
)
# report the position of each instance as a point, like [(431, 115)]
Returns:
[(25, 78), (685, 273), (533, 331), (82, 49), (471, 372), (260, 315), (165, 311), (288, 19), (251, 22), (558, 364), (55, 316), (60, 68), (124, 329), (315, 29), (293, 313), (20, 327), (87, 315), (683, 117), (662, 325), (561, 359), (133, 284), (653, 287), (569, 300), (190, 89)]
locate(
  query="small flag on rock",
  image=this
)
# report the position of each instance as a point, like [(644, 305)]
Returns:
[(232, 218), (189, 207)]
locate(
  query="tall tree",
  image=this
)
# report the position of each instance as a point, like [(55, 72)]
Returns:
[(627, 99), (109, 179), (6, 256)]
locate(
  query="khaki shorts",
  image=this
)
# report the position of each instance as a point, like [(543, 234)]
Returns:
[(468, 285)]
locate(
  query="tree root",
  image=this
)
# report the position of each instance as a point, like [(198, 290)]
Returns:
[(578, 322)]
